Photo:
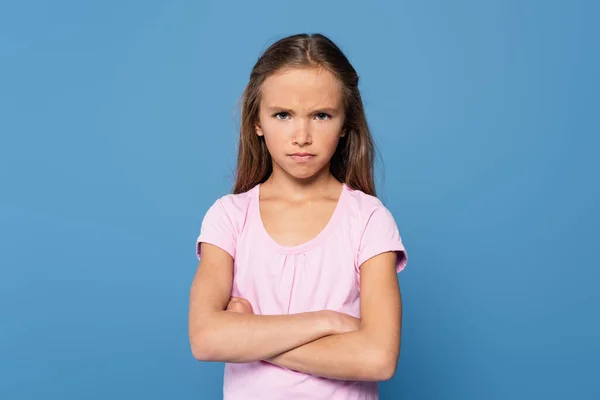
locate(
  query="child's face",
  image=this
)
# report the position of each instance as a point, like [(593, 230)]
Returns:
[(301, 118)]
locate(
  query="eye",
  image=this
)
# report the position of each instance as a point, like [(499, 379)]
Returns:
[(282, 115), (322, 116)]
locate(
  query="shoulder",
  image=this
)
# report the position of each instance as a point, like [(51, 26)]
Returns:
[(364, 205), (377, 228), (369, 213), (363, 199), (235, 203), (234, 207), (224, 220)]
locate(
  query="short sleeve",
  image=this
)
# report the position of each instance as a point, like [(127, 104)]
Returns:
[(217, 229), (381, 235)]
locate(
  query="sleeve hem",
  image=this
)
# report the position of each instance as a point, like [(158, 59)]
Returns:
[(218, 244), (401, 260)]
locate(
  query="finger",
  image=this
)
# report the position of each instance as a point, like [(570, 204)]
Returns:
[(232, 303), (244, 301)]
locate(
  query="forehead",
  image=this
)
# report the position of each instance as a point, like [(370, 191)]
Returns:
[(302, 88)]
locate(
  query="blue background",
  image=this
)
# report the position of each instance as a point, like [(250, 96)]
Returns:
[(119, 128)]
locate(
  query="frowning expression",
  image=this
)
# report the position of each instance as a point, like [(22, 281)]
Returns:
[(301, 118)]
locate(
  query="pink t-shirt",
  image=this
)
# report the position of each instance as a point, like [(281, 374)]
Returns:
[(320, 274)]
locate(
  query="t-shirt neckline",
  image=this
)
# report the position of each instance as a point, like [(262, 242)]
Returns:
[(302, 247)]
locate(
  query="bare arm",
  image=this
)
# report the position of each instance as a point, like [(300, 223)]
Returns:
[(217, 335), (369, 353)]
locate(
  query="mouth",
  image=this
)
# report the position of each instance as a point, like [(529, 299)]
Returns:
[(301, 156)]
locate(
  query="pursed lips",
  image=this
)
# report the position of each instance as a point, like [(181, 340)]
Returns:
[(301, 156)]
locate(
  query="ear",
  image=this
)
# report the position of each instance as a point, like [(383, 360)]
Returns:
[(258, 129), (344, 132)]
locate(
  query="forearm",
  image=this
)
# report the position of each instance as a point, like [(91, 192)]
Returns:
[(234, 337), (348, 356)]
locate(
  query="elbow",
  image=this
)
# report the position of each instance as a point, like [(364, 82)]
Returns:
[(200, 352), (200, 345), (387, 369), (383, 366)]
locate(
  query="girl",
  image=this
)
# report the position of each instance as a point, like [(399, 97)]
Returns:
[(296, 289)]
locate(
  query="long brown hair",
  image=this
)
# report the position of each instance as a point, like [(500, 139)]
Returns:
[(352, 162)]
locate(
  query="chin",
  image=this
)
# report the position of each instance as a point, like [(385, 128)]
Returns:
[(301, 172), (305, 175)]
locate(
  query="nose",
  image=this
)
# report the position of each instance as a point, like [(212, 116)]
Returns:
[(302, 136)]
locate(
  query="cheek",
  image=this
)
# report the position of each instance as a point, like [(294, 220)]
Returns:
[(275, 137), (269, 131), (329, 138), (272, 143)]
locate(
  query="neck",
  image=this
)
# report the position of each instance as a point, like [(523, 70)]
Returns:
[(287, 186)]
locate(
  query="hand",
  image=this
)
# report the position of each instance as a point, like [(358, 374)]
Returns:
[(239, 305), (342, 323)]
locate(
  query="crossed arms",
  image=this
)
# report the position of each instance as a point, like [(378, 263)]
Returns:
[(324, 343)]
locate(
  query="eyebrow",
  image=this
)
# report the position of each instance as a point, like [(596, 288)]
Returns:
[(329, 110)]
